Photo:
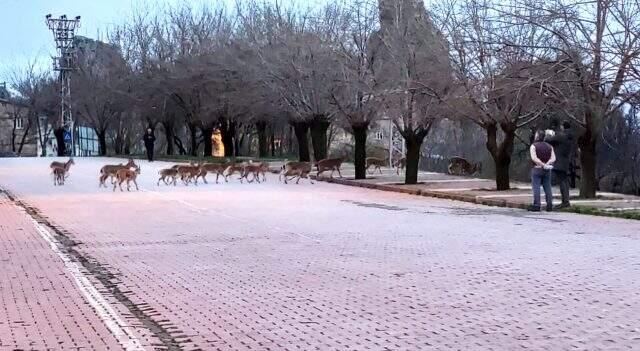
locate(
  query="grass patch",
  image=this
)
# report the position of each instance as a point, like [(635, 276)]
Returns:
[(593, 211)]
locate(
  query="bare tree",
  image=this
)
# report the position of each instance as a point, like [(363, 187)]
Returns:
[(355, 94), (297, 63), (414, 70), (38, 96), (497, 82), (597, 45), (99, 83)]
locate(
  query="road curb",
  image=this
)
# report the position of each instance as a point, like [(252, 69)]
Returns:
[(427, 193)]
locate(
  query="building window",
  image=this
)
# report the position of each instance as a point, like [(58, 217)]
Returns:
[(378, 135), (18, 123)]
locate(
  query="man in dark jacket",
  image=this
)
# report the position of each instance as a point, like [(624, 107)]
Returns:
[(563, 143), (149, 140)]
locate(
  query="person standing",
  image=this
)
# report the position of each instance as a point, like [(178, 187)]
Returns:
[(149, 140), (543, 157), (563, 143)]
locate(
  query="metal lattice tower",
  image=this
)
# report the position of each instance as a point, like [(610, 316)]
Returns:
[(64, 34)]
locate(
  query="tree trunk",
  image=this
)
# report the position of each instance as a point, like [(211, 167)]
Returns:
[(319, 125), (168, 132), (193, 139), (237, 144), (118, 145), (59, 134), (413, 143), (501, 154), (207, 133), (102, 141), (180, 145), (588, 178), (272, 141), (360, 150), (263, 150), (14, 135), (228, 133), (301, 129), (23, 140), (502, 173), (41, 138), (289, 140)]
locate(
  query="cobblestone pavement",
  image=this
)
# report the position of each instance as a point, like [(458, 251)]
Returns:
[(308, 267), (41, 307)]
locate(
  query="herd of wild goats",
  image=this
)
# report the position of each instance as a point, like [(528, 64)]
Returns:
[(191, 172)]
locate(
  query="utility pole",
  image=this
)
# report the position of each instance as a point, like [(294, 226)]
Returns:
[(64, 33)]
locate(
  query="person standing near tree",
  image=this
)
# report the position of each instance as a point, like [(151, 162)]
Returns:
[(149, 139), (543, 157), (563, 143)]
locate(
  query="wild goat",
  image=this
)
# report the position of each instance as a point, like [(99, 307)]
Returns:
[(296, 169), (58, 176), (460, 166), (217, 168), (400, 164), (263, 169), (128, 175), (329, 164), (376, 163), (233, 168), (170, 173), (109, 171), (65, 166), (255, 169), (188, 173), (60, 170)]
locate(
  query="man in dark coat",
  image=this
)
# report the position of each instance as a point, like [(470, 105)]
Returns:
[(149, 140), (563, 143)]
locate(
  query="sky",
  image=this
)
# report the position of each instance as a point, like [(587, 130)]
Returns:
[(25, 38)]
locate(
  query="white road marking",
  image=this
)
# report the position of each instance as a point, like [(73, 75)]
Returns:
[(105, 311), (188, 204)]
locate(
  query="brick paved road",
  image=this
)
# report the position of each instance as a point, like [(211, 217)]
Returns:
[(314, 267)]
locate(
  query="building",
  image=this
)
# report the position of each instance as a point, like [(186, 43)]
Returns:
[(86, 141), (383, 140), (17, 135)]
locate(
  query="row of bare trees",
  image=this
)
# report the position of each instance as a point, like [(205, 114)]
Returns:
[(260, 68)]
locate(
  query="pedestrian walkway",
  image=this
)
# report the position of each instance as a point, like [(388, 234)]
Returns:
[(477, 190), (41, 305)]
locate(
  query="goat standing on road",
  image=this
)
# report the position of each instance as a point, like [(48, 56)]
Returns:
[(60, 170), (233, 168), (168, 173), (109, 171), (126, 175), (329, 164), (400, 164), (58, 176), (296, 169), (376, 163)]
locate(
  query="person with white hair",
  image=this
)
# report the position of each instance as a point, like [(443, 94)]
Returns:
[(543, 157)]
